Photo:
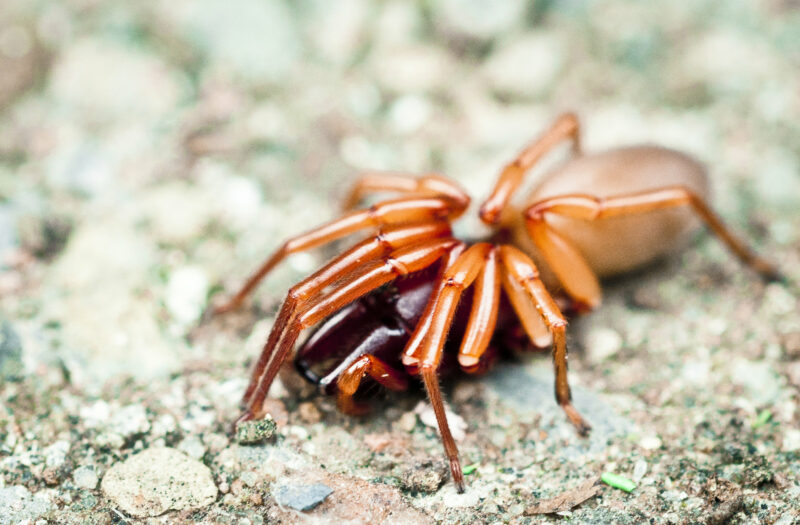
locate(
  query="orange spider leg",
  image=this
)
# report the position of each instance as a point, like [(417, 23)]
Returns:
[(482, 317), (572, 269), (397, 211), (431, 185), (522, 269), (529, 317), (426, 344), (383, 243), (366, 365), (450, 449), (565, 127), (427, 354), (424, 323), (366, 278)]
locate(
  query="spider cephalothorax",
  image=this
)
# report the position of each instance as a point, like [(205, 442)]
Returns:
[(596, 215)]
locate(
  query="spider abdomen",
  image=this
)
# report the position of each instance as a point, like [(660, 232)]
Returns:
[(619, 244)]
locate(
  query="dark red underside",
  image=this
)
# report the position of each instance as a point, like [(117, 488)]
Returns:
[(381, 324)]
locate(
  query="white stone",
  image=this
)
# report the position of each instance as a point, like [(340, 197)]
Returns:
[(186, 294), (761, 383), (413, 68), (95, 414), (651, 442), (458, 427), (192, 446), (85, 477), (602, 343), (791, 440), (408, 113), (163, 425), (639, 470), (696, 372), (129, 420), (157, 480), (482, 19), (18, 505), (56, 454), (451, 498), (240, 202), (111, 440), (527, 66)]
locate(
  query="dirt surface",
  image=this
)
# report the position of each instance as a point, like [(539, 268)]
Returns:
[(152, 153)]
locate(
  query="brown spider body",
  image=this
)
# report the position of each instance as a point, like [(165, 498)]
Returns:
[(388, 307), (381, 323)]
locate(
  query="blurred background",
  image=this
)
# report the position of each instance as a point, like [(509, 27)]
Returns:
[(152, 154)]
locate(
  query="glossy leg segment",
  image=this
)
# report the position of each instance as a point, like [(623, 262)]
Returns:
[(565, 127), (425, 320), (451, 451), (522, 269), (482, 317), (529, 317), (385, 242), (425, 353), (366, 278), (571, 268), (428, 185), (398, 211), (435, 324), (366, 365), (569, 265)]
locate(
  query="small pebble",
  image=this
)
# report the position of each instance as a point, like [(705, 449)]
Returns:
[(301, 497), (791, 344), (650, 442), (192, 446), (95, 414), (186, 294), (130, 420), (758, 379), (424, 477), (525, 66), (18, 505), (791, 440), (85, 477), (451, 498), (602, 343), (639, 470), (110, 440), (249, 478), (251, 432), (157, 480), (378, 442), (458, 427), (407, 422), (793, 373), (10, 353), (309, 413), (56, 454)]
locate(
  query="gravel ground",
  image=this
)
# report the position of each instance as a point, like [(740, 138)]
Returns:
[(152, 153)]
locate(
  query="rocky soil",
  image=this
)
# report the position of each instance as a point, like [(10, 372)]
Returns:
[(152, 153)]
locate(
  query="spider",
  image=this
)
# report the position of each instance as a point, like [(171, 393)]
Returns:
[(387, 304)]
